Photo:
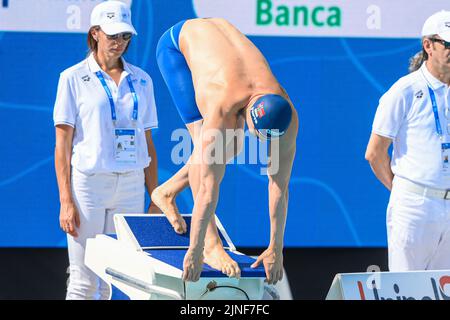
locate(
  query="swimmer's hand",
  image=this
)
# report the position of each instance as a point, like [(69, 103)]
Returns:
[(273, 264), (192, 265)]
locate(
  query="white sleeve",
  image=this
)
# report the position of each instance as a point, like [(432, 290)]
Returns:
[(390, 114), (149, 114), (64, 111)]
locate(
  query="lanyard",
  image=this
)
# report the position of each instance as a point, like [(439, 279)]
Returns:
[(436, 113), (111, 100)]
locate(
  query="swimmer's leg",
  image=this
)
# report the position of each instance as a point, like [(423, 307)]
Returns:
[(177, 75), (165, 195), (214, 253)]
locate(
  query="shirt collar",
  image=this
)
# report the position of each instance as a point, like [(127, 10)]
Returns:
[(126, 66), (432, 80), (94, 67)]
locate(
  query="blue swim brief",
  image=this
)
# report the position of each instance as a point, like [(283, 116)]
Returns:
[(176, 74)]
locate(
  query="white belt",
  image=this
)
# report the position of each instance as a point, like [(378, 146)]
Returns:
[(428, 192)]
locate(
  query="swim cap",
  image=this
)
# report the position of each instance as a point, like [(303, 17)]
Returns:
[(271, 115)]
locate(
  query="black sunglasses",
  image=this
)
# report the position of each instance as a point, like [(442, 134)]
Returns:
[(126, 36), (446, 44)]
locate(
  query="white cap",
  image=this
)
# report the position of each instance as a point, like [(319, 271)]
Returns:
[(113, 17), (438, 23)]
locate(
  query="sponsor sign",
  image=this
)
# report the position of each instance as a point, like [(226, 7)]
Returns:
[(69, 16), (416, 285), (341, 18)]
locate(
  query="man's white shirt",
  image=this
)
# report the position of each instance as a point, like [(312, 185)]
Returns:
[(83, 103), (405, 115)]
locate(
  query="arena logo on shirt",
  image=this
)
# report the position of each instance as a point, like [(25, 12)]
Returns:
[(419, 94), (67, 16), (329, 18)]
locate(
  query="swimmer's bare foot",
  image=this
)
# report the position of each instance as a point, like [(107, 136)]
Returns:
[(217, 258), (168, 206)]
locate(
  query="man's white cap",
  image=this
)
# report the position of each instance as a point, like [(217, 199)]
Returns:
[(438, 23), (113, 17)]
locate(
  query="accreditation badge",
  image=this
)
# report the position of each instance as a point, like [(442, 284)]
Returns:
[(125, 150), (445, 157)]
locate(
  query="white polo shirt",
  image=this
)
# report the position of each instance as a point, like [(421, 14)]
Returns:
[(82, 103), (405, 114)]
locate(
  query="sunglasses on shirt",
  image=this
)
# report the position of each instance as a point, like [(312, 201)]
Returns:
[(446, 44), (126, 36)]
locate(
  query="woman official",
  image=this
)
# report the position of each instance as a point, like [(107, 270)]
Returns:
[(104, 156)]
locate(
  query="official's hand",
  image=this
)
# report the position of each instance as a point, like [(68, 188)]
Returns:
[(69, 218), (192, 265), (273, 265), (154, 209)]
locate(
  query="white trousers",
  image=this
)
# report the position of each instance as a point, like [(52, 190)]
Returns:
[(418, 229), (98, 197)]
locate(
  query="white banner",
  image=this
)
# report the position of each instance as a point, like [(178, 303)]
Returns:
[(71, 16), (334, 18), (416, 285)]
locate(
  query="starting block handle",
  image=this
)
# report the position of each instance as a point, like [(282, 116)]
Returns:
[(142, 285)]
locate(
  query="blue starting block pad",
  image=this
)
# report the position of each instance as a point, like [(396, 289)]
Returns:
[(154, 235), (157, 232)]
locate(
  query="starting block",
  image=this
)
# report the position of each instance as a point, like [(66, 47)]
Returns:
[(144, 260)]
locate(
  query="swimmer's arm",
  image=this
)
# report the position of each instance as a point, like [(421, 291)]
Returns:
[(279, 176), (379, 160), (282, 154), (211, 175)]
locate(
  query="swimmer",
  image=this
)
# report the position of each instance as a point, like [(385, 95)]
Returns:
[(219, 81)]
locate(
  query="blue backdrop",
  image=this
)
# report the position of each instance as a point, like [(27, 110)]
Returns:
[(335, 84)]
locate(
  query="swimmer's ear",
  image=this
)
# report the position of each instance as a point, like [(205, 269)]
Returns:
[(247, 114)]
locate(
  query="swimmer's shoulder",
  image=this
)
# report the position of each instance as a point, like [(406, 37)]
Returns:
[(203, 24)]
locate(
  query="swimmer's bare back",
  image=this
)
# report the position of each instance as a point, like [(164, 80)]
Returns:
[(227, 69)]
